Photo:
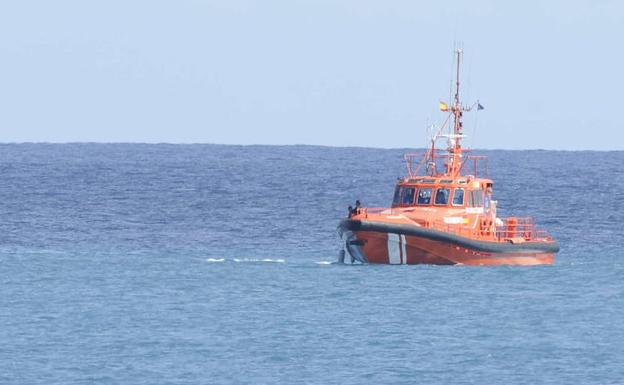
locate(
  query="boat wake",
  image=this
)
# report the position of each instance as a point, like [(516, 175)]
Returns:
[(254, 260), (245, 260)]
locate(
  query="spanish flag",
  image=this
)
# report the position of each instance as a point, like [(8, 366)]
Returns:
[(443, 107)]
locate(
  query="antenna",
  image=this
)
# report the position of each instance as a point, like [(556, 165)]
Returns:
[(455, 150), (455, 111)]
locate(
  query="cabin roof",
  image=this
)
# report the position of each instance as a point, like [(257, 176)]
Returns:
[(444, 180)]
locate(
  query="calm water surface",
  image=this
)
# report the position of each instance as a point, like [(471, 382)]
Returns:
[(206, 264)]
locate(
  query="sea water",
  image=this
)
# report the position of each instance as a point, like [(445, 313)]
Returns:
[(209, 264)]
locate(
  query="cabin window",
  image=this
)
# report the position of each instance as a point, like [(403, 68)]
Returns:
[(458, 197), (424, 196), (397, 196), (479, 198), (407, 196), (403, 196), (475, 199), (442, 196)]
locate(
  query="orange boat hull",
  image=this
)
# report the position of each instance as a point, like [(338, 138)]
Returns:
[(386, 248)]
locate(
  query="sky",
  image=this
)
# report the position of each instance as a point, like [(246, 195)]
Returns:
[(324, 72)]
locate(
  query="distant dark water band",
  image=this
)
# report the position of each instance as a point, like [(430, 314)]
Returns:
[(435, 235)]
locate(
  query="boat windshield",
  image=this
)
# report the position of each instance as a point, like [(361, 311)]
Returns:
[(442, 196), (458, 197), (424, 196), (397, 196), (407, 197), (475, 198), (403, 196)]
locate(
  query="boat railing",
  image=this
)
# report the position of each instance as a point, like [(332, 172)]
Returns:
[(432, 162), (516, 228), (476, 165), (423, 163), (376, 211), (511, 229)]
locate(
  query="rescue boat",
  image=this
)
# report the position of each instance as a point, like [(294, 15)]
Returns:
[(443, 212)]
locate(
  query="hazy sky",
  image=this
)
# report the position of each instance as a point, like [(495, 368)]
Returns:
[(343, 73)]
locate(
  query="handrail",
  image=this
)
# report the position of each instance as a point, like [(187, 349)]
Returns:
[(512, 229), (415, 162)]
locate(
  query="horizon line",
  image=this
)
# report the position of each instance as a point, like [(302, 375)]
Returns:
[(291, 145)]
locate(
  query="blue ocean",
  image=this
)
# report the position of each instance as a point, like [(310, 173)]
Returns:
[(214, 264)]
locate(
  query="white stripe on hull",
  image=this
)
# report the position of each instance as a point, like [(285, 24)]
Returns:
[(394, 254), (403, 250)]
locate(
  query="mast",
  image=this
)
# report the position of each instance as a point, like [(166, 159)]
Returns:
[(453, 155), (455, 149)]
